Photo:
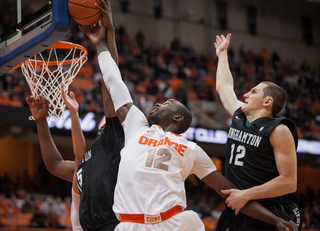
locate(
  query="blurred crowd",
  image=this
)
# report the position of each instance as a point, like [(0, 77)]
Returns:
[(155, 73), (44, 202), (40, 202)]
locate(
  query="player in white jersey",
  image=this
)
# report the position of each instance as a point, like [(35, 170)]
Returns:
[(162, 161), (155, 162)]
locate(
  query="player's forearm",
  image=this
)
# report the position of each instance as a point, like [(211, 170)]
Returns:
[(224, 76), (111, 44), (78, 141), (101, 47), (77, 162), (49, 152), (276, 187), (252, 209), (255, 210)]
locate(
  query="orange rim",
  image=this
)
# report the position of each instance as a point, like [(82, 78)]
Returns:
[(58, 45)]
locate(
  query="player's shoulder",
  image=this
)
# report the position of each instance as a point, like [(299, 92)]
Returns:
[(281, 129), (285, 125), (182, 140)]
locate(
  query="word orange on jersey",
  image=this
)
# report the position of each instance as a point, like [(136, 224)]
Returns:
[(180, 148)]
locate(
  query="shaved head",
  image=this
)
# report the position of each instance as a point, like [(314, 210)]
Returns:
[(172, 116), (187, 118)]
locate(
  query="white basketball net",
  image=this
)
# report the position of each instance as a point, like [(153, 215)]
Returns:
[(46, 72)]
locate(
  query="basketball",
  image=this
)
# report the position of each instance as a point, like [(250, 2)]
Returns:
[(85, 12)]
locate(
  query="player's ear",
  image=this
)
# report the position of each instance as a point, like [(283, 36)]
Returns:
[(268, 101), (178, 118)]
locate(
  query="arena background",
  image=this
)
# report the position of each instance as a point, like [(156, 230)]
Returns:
[(288, 28)]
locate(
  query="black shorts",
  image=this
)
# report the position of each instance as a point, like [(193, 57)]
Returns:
[(287, 210)]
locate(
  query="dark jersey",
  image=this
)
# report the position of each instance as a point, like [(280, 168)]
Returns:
[(250, 162), (249, 155), (97, 176)]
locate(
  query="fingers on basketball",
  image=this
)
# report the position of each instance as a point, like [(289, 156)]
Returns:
[(105, 5), (102, 9)]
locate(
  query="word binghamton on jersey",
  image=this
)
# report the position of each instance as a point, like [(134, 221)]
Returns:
[(154, 165), (249, 155)]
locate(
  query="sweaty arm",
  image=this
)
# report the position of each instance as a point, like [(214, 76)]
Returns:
[(79, 146), (224, 79), (78, 141), (51, 156), (252, 209), (206, 171)]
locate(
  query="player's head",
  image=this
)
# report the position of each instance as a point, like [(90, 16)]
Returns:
[(277, 93), (265, 95), (172, 116)]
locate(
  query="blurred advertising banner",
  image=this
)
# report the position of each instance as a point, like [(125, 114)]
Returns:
[(91, 122)]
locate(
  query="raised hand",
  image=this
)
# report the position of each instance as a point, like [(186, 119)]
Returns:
[(221, 44), (69, 100), (38, 106), (95, 33), (107, 14)]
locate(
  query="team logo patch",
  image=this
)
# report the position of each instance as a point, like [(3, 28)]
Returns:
[(152, 219)]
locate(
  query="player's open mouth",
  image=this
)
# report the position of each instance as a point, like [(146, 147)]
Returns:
[(153, 110)]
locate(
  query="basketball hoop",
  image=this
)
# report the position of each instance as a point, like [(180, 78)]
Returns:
[(45, 73)]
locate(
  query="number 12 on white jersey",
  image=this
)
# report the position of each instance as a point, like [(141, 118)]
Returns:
[(156, 159)]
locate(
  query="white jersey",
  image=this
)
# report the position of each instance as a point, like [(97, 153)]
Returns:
[(154, 165), (75, 212)]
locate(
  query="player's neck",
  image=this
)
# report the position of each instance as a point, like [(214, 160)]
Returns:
[(252, 116), (170, 128)]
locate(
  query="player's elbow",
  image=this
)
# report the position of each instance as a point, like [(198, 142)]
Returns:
[(52, 170), (292, 186), (223, 88), (218, 88)]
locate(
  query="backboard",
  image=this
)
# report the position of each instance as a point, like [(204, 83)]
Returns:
[(38, 25)]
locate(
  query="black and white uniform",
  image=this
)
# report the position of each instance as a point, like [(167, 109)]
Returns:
[(97, 177), (250, 162)]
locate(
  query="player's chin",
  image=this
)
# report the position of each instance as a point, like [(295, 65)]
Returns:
[(244, 108), (151, 119)]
